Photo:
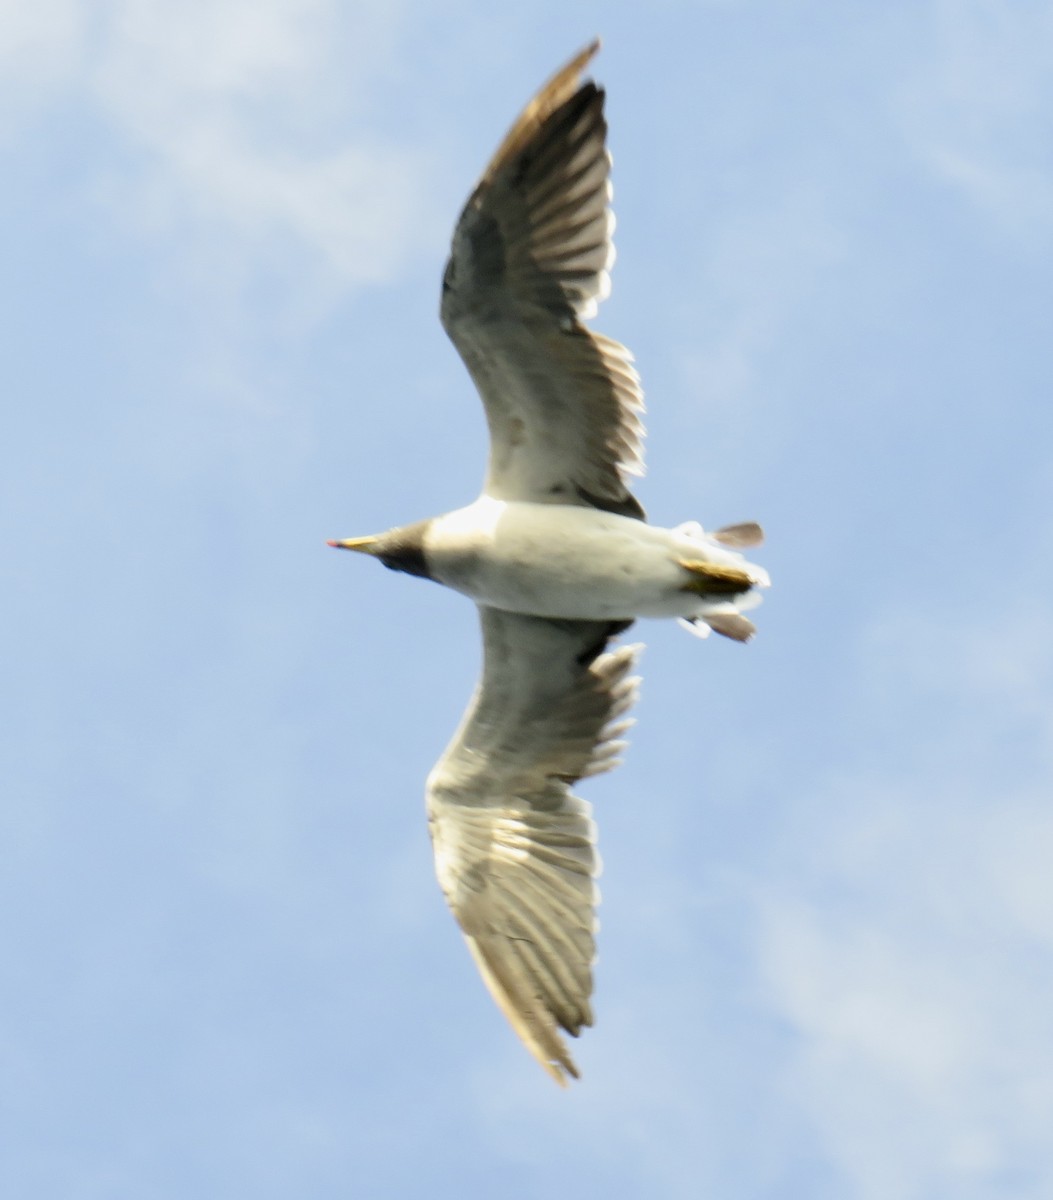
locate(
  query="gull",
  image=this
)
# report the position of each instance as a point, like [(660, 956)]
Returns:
[(558, 556)]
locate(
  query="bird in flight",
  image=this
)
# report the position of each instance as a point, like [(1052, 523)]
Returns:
[(558, 556)]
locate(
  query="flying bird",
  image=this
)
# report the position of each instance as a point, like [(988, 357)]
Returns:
[(558, 556)]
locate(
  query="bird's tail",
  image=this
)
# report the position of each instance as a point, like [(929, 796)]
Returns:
[(723, 580)]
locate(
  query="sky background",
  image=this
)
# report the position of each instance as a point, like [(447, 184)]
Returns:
[(826, 956)]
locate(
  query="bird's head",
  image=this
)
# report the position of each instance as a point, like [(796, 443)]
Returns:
[(399, 549)]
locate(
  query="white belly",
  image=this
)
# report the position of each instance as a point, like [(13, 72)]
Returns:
[(562, 561)]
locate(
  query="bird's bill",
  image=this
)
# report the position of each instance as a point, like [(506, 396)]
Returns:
[(364, 545)]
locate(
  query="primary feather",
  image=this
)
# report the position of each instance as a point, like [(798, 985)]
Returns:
[(529, 261)]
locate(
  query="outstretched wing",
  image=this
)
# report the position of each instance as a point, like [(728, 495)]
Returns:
[(529, 262), (515, 851)]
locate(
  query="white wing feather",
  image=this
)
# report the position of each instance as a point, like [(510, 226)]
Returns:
[(515, 851), (529, 262)]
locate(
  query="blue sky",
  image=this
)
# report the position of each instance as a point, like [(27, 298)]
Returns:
[(826, 954)]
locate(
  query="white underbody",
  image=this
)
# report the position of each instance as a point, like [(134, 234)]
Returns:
[(551, 560)]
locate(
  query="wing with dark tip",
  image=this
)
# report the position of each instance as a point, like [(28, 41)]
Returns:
[(530, 261), (515, 850)]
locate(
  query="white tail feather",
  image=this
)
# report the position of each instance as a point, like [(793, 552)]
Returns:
[(731, 625), (693, 625)]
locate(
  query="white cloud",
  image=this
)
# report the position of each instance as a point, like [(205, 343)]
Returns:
[(37, 33), (241, 130), (979, 108), (906, 935), (231, 107), (921, 1053), (984, 674), (767, 264), (40, 46), (1017, 196), (161, 53), (354, 210)]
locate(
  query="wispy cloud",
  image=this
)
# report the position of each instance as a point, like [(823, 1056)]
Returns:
[(225, 101), (906, 936), (764, 265), (239, 127), (40, 48), (979, 108), (765, 268), (36, 35)]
